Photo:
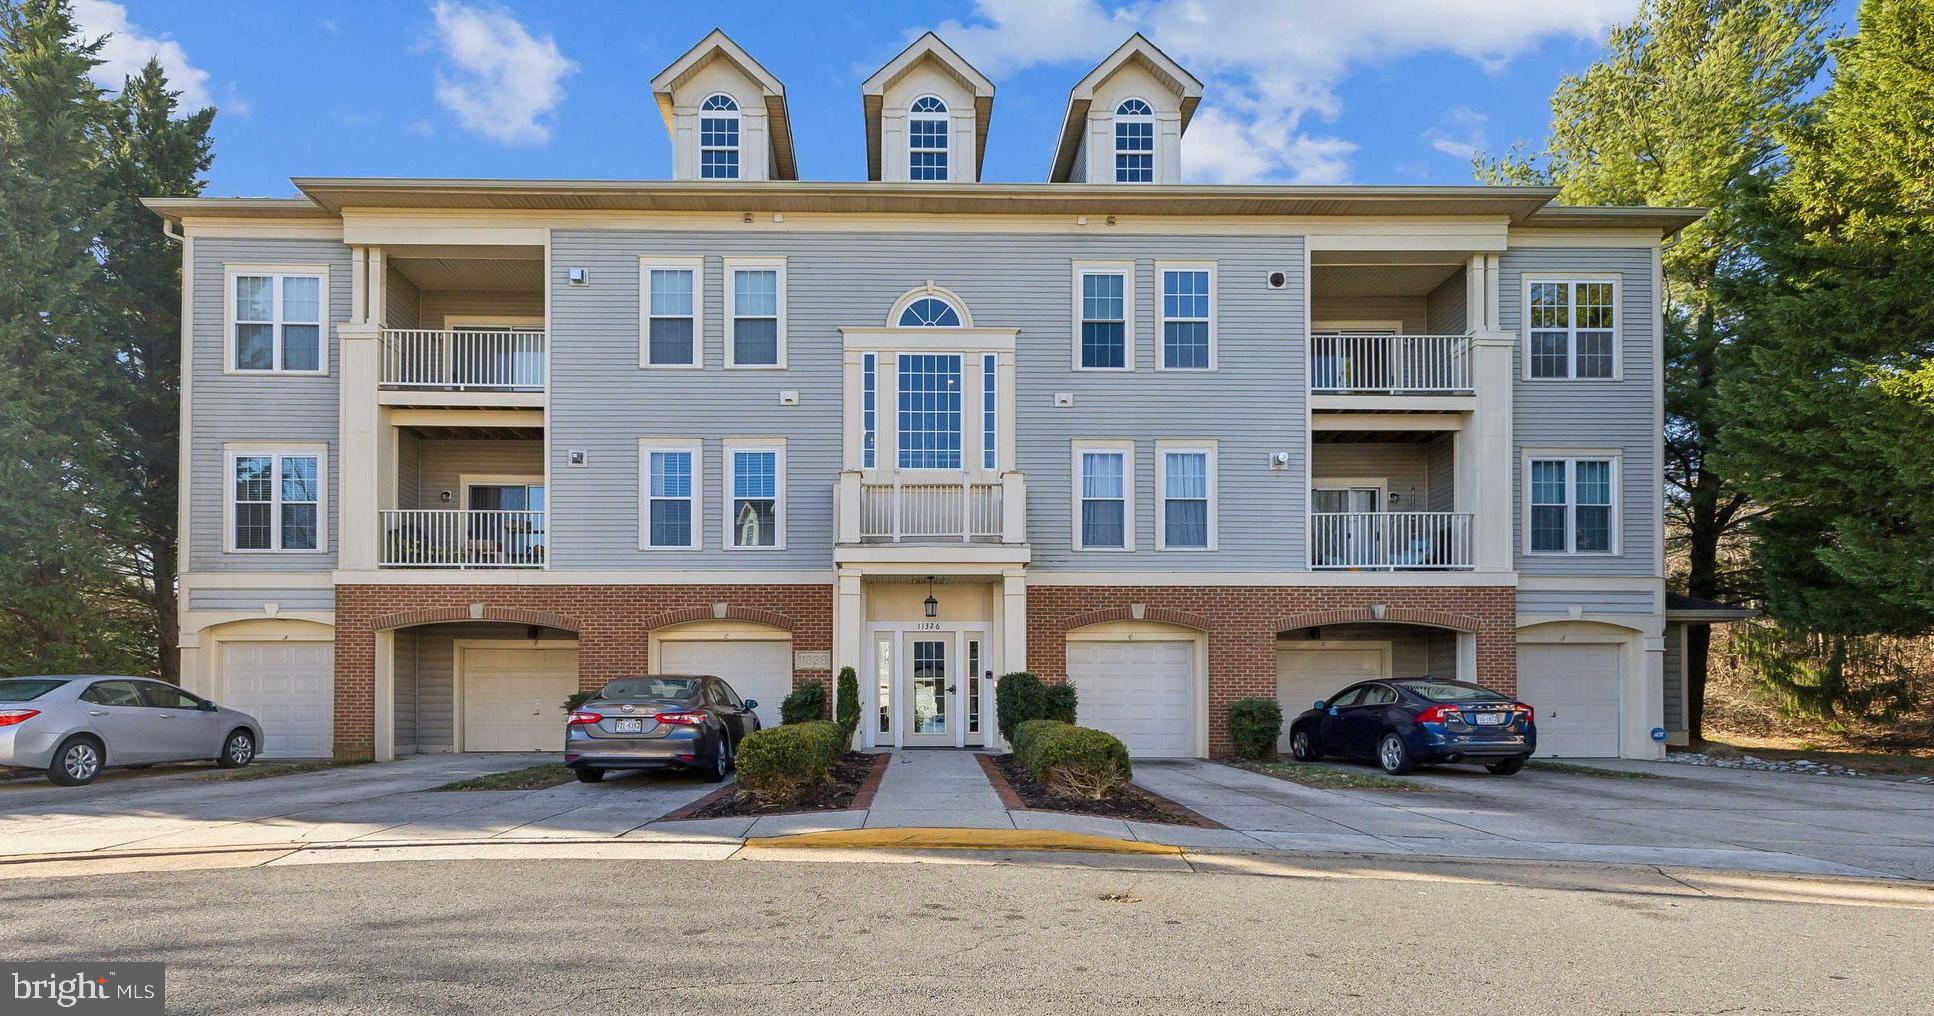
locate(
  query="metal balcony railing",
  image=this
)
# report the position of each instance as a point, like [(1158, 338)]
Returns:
[(463, 359), (1364, 364), (429, 538), (963, 511), (1390, 541)]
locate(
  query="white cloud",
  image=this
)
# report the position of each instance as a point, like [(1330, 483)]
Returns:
[(502, 82), (1460, 134), (1269, 64), (127, 51)]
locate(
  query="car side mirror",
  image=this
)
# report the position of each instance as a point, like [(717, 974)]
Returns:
[(208, 707), (751, 704), (1319, 703)]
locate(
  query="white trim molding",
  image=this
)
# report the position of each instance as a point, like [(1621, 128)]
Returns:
[(1571, 457), (1104, 446), (1570, 280), (1083, 269), (694, 265), (728, 491), (732, 266), (275, 452), (692, 446), (1163, 449), (1162, 268), (276, 272)]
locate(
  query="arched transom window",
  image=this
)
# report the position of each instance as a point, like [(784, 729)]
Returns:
[(927, 130), (718, 138), (930, 312), (1134, 142)]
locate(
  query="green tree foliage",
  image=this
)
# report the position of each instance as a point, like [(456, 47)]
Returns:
[(1689, 107)]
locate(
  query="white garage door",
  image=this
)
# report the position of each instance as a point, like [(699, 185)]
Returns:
[(513, 699), (761, 671), (1574, 691), (1141, 692), (291, 688), (1305, 675)]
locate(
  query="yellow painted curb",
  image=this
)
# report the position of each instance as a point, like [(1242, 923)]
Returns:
[(962, 839)]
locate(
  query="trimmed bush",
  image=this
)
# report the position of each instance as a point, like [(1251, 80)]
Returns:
[(1254, 725), (847, 709), (806, 704), (1058, 702), (1018, 698), (1027, 737), (780, 763), (576, 699), (1079, 761)]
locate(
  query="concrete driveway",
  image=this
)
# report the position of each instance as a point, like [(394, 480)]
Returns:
[(1700, 817)]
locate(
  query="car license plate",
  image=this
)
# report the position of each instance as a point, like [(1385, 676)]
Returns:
[(1491, 719), (628, 726)]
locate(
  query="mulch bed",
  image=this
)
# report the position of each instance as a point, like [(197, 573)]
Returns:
[(1019, 789), (854, 779)]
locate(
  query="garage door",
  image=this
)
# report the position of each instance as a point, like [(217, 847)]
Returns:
[(513, 699), (1141, 692), (1305, 675), (756, 670), (1574, 690), (291, 688)]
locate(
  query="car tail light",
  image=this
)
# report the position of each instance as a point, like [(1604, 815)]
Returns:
[(1440, 714), (582, 718), (9, 717), (693, 719), (1525, 711)]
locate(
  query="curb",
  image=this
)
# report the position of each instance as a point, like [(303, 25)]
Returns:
[(961, 839)]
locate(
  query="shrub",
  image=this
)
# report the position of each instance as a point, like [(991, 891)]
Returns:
[(576, 699), (780, 763), (1058, 701), (1027, 737), (806, 704), (1018, 698), (1079, 761), (847, 709), (1254, 725)]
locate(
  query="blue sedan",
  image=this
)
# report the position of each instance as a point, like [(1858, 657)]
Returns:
[(1409, 722)]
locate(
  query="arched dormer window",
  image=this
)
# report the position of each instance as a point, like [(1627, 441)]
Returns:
[(1134, 142), (927, 131), (929, 312), (718, 137)]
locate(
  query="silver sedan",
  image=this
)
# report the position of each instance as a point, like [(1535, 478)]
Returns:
[(72, 727)]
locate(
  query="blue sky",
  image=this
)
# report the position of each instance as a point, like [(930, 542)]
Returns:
[(1299, 91)]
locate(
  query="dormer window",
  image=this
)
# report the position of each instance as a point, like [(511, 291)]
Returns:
[(1134, 142), (927, 130), (930, 312), (718, 138)]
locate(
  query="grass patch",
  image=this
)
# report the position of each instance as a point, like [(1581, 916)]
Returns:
[(265, 770), (1324, 777), (550, 774), (1540, 765)]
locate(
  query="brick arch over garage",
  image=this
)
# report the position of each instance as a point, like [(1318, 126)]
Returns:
[(1391, 615), (1162, 615), (728, 612), (514, 615)]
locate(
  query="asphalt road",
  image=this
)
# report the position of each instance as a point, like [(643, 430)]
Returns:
[(706, 937)]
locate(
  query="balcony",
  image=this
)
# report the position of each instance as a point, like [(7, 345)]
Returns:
[(1362, 363), (463, 360), (1390, 541), (970, 512), (461, 539)]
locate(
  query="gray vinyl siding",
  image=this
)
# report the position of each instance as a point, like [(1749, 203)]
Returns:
[(405, 709), (1404, 467), (1441, 662), (409, 470), (602, 402), (303, 598), (1589, 601), (1675, 678), (235, 409), (1618, 414), (428, 656), (1411, 311), (437, 303), (1414, 651), (1447, 307), (1440, 474), (444, 464), (400, 300)]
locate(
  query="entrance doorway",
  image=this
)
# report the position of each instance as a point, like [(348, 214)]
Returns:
[(933, 685)]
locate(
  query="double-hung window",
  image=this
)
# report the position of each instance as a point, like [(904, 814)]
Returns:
[(927, 129), (1104, 296), (671, 503), (275, 499), (1571, 329), (1187, 483), (276, 319), (1104, 482), (1188, 316), (989, 413), (930, 410), (718, 138), (756, 514), (756, 318), (1134, 142), (672, 298), (869, 410), (1572, 504)]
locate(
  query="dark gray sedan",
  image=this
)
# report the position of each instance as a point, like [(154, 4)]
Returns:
[(656, 722), (72, 727)]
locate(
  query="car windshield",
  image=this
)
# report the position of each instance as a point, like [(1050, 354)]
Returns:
[(651, 688), (26, 689), (1437, 691)]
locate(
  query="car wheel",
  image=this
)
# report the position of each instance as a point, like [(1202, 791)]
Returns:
[(1301, 748), (721, 761), (76, 762), (587, 774), (1506, 766), (1394, 755), (237, 751)]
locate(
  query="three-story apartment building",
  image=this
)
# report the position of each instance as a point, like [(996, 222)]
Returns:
[(454, 449)]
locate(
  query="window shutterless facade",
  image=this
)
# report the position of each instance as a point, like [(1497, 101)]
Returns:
[(1104, 315), (1571, 504), (1187, 316), (755, 300), (277, 319), (673, 305), (718, 138), (929, 416), (669, 479), (1186, 479), (927, 130), (1134, 142), (1571, 329), (1104, 501), (275, 499), (756, 509)]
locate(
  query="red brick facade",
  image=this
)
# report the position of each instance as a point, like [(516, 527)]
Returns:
[(613, 625)]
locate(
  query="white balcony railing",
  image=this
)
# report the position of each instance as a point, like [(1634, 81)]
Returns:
[(1390, 541), (463, 359), (1357, 364), (967, 511), (420, 538)]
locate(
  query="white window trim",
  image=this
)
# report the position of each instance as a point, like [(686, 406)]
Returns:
[(1162, 451), (947, 134), (737, 114), (231, 452), (970, 402), (726, 468), (732, 267), (1571, 456), (696, 447), (1125, 269), (646, 265), (278, 271), (1114, 141), (1162, 318), (1571, 342), (1105, 445)]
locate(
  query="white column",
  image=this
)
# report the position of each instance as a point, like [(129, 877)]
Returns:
[(385, 690), (849, 644), (1013, 620), (1485, 451), (1466, 656), (1645, 699), (359, 458)]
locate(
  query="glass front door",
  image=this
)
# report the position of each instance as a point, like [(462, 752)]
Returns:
[(930, 689)]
